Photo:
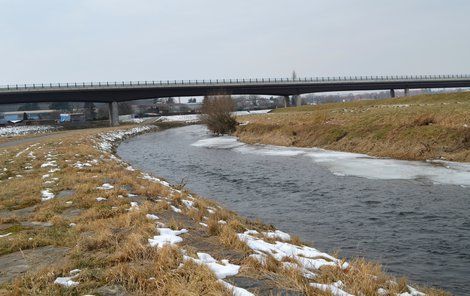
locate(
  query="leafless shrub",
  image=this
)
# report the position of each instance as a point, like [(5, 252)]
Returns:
[(216, 114)]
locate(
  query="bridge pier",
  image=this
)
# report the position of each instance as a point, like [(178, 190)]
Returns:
[(113, 114), (392, 93), (286, 101), (407, 92), (298, 100)]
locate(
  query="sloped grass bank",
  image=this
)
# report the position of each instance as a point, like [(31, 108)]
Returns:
[(413, 128)]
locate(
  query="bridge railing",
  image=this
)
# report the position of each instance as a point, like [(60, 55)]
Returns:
[(164, 83)]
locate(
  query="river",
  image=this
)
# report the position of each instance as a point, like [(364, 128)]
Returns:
[(413, 217)]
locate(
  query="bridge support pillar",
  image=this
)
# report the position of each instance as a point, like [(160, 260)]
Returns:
[(392, 93), (407, 92), (286, 101), (113, 114), (298, 101)]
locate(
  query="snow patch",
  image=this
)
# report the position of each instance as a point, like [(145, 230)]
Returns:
[(333, 288), (105, 186), (47, 194), (24, 130), (221, 270), (167, 237), (152, 217), (236, 291), (277, 234)]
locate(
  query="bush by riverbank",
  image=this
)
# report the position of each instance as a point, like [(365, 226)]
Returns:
[(413, 128), (77, 220)]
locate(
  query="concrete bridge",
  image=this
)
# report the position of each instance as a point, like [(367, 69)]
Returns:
[(114, 92)]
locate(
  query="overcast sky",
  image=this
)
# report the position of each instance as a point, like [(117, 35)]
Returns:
[(115, 40)]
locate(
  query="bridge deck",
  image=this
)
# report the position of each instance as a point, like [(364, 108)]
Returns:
[(124, 91)]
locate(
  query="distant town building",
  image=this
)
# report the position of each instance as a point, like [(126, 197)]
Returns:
[(72, 117), (36, 115)]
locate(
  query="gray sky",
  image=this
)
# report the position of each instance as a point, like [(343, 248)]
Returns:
[(115, 40)]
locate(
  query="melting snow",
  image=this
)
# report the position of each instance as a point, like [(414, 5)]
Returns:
[(236, 291), (167, 237), (47, 194), (152, 217), (308, 257), (189, 204), (175, 209), (67, 281), (107, 139), (221, 270), (334, 288), (51, 163), (105, 186), (23, 130), (277, 234)]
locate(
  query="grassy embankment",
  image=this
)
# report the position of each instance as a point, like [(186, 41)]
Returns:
[(108, 239), (419, 128)]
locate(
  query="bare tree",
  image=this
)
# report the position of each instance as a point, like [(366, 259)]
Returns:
[(125, 108), (216, 113)]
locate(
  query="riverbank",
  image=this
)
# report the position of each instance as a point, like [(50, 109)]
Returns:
[(414, 128), (75, 219)]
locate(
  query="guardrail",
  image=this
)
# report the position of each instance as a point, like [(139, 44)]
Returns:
[(12, 87)]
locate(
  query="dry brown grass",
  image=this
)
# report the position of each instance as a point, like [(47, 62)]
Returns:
[(228, 237)]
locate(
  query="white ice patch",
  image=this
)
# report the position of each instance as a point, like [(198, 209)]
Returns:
[(108, 139), (51, 163), (175, 209), (354, 164), (146, 176), (47, 194), (189, 204), (412, 292), (152, 217), (277, 234), (167, 237), (134, 206), (81, 165), (251, 112), (5, 235), (68, 281), (99, 199), (105, 186), (309, 258), (24, 130), (189, 118), (236, 291), (220, 270), (224, 142), (334, 288)]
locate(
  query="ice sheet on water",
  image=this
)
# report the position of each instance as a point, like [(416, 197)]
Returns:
[(355, 164), (223, 142)]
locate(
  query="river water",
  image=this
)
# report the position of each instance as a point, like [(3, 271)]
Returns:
[(413, 217)]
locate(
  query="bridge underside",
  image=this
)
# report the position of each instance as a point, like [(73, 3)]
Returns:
[(128, 93)]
